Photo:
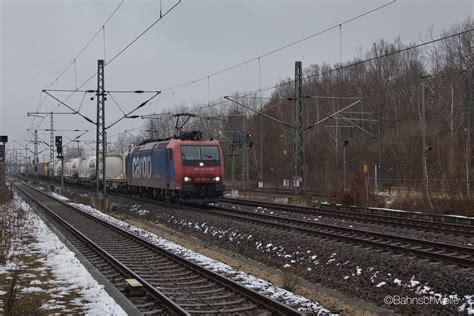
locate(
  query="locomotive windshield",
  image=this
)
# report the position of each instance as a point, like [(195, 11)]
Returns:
[(194, 154), (191, 153), (209, 153)]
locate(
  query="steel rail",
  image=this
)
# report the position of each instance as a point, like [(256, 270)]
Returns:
[(174, 308), (436, 226), (268, 303), (433, 250)]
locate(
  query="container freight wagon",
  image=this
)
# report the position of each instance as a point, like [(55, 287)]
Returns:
[(177, 169)]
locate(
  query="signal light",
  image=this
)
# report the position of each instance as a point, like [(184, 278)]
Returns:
[(59, 141), (59, 145)]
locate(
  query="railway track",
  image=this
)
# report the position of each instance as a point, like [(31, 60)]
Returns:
[(406, 222), (172, 285), (439, 223), (438, 252)]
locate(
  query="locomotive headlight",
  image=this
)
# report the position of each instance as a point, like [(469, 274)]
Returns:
[(187, 179), (217, 179)]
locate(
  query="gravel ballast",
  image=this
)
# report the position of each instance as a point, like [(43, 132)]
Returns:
[(360, 272)]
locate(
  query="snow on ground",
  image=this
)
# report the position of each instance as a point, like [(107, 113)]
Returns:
[(67, 269), (395, 210), (59, 197), (379, 281), (401, 211), (245, 279), (266, 288)]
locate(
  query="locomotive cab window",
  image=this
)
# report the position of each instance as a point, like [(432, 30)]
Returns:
[(209, 152), (193, 154)]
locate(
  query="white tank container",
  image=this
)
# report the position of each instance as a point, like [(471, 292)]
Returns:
[(57, 168), (87, 167), (114, 167), (75, 167), (67, 168)]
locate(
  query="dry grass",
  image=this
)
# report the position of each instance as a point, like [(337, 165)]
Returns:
[(442, 204), (358, 192), (289, 281), (6, 194), (26, 271)]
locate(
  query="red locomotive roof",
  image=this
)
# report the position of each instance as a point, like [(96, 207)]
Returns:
[(174, 142)]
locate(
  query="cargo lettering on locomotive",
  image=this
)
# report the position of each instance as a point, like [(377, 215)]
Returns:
[(141, 167)]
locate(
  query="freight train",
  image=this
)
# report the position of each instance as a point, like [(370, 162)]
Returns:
[(182, 168)]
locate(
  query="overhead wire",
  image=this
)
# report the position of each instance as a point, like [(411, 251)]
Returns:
[(341, 67), (103, 33), (199, 79), (116, 103), (74, 61), (360, 62), (82, 101), (89, 42), (279, 48), (162, 15), (114, 57)]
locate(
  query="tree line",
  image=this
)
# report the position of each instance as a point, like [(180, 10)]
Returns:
[(383, 131)]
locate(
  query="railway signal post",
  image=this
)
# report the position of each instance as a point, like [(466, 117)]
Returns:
[(3, 141), (59, 150)]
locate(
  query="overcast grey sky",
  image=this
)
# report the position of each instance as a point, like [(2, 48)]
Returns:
[(40, 38)]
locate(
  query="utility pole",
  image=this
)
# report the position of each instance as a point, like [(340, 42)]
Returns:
[(298, 179), (62, 174), (423, 136), (101, 144), (3, 141), (235, 146), (35, 158), (379, 166), (233, 169), (247, 164), (467, 123), (243, 171), (51, 153), (261, 149), (244, 167)]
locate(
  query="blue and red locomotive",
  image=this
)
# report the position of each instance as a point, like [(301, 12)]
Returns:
[(175, 169)]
